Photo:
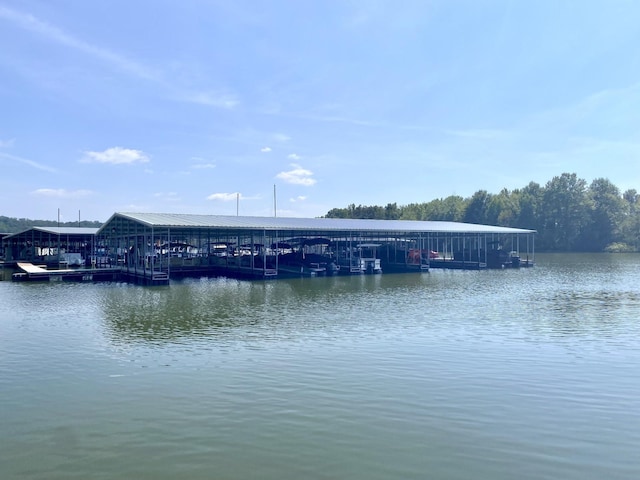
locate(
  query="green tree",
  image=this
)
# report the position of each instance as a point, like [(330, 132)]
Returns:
[(413, 211), (630, 225), (565, 212), (476, 211), (606, 215), (529, 200), (391, 211), (503, 209)]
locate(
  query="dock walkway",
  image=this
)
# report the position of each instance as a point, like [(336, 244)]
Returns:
[(34, 273)]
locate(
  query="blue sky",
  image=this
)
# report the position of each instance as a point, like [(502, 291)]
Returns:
[(205, 106)]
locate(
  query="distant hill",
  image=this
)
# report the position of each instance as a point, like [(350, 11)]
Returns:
[(14, 225)]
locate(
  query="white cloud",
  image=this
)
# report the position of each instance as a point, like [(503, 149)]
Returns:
[(281, 137), (132, 207), (299, 198), (294, 156), (200, 163), (481, 134), (297, 176), (265, 149), (212, 99), (61, 193), (224, 197), (167, 197), (116, 156), (228, 197)]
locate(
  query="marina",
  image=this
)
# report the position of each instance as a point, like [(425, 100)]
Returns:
[(153, 248)]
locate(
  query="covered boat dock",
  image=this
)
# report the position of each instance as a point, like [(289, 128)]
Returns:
[(55, 247), (151, 248)]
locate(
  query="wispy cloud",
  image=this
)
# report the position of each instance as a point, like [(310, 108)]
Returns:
[(480, 134), (228, 197), (118, 61), (299, 198), (133, 207), (61, 193), (294, 156), (26, 161), (335, 119), (265, 149), (167, 196), (281, 137), (224, 197), (55, 34), (297, 176), (211, 99), (116, 156), (203, 166), (7, 143), (611, 113)]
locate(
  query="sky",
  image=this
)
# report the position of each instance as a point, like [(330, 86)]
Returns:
[(295, 107)]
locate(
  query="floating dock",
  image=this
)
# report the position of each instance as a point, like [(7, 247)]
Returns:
[(36, 273)]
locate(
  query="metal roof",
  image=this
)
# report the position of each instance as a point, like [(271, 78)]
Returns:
[(160, 220), (58, 231)]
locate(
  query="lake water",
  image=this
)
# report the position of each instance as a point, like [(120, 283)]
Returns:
[(527, 374)]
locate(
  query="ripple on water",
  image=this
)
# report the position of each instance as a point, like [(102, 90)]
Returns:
[(497, 374)]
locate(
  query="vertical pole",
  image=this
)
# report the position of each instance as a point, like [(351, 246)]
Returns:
[(58, 238), (152, 252), (274, 201)]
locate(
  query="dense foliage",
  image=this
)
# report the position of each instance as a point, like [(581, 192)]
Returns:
[(568, 214), (14, 225)]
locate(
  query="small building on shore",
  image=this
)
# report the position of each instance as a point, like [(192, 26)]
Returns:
[(51, 246)]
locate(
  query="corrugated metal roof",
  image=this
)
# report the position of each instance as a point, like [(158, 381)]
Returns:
[(309, 224), (69, 230), (58, 231)]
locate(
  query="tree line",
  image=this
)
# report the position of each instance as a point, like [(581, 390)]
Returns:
[(15, 225), (568, 213)]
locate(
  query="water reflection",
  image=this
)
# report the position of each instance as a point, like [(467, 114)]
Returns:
[(572, 297), (231, 308), (459, 374)]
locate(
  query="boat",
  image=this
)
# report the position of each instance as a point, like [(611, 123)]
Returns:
[(305, 256), (368, 261)]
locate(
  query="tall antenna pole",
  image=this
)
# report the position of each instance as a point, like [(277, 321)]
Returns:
[(58, 238), (78, 218), (274, 201), (237, 204)]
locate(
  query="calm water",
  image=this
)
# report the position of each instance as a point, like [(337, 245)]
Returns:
[(528, 374)]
